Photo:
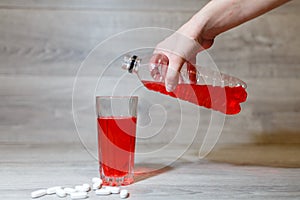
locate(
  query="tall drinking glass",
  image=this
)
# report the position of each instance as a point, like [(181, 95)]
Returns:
[(117, 118)]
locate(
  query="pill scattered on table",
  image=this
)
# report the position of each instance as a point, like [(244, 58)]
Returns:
[(96, 186), (69, 190), (113, 190), (79, 195), (81, 191), (103, 192), (97, 180), (124, 194), (79, 188), (52, 190), (61, 193), (86, 187), (38, 193), (82, 188)]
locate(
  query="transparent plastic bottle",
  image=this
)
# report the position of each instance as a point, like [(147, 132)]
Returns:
[(198, 85)]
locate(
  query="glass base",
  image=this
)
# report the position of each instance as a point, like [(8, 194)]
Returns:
[(117, 181)]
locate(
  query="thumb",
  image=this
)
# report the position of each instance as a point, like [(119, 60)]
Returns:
[(172, 75)]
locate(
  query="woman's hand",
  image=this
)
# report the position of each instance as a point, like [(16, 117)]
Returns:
[(199, 33), (172, 53)]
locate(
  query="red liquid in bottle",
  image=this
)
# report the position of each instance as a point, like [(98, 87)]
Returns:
[(116, 145), (224, 99)]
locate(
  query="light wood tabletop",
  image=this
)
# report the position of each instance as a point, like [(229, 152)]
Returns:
[(25, 168)]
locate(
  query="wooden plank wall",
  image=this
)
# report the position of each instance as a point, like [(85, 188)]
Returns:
[(42, 44)]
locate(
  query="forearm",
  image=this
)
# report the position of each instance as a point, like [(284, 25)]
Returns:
[(216, 17), (219, 16)]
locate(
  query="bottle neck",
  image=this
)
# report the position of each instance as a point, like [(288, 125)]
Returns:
[(131, 63)]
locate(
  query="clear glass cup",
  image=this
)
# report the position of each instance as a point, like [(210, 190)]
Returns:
[(116, 119)]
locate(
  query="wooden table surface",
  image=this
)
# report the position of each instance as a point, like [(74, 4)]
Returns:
[(25, 168)]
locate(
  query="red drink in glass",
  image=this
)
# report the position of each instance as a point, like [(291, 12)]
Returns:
[(116, 121), (116, 145)]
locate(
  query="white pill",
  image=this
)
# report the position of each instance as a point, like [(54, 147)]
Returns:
[(96, 180), (86, 187), (38, 193), (103, 192), (52, 190), (81, 188), (61, 193), (96, 186), (78, 187), (69, 190), (114, 190), (124, 194), (79, 195)]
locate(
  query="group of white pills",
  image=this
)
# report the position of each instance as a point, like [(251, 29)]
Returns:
[(81, 191)]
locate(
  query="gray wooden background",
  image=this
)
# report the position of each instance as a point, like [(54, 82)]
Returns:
[(42, 44)]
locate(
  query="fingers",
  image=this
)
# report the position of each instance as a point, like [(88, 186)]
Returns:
[(158, 62), (172, 76), (167, 68), (177, 49)]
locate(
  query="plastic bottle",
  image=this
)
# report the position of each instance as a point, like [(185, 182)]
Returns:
[(198, 85)]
